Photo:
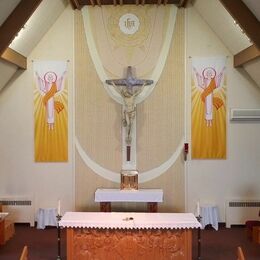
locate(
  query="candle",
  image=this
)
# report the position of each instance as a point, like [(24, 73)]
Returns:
[(198, 208), (59, 207)]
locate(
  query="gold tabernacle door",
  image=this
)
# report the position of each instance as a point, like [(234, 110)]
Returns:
[(129, 180)]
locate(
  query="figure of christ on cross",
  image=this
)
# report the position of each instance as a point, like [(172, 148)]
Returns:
[(129, 88)]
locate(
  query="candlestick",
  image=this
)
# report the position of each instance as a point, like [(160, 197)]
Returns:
[(199, 238), (58, 239)]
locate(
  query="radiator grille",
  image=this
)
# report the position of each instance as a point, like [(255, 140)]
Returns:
[(20, 208), (244, 204), (238, 211), (16, 202)]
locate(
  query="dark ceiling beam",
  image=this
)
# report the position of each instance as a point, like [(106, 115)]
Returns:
[(15, 58), (183, 3), (246, 55), (80, 3), (15, 22), (92, 2), (245, 18), (75, 4)]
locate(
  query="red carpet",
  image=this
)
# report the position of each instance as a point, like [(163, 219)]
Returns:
[(42, 244)]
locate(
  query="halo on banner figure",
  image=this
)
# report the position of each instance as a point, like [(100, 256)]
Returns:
[(49, 86)]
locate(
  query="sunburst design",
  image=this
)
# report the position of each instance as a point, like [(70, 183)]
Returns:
[(51, 145), (208, 142)]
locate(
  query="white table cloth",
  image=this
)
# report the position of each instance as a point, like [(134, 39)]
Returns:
[(46, 217), (3, 215), (209, 215), (117, 195), (127, 220)]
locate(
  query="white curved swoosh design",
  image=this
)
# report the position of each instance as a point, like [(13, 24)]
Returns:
[(115, 177)]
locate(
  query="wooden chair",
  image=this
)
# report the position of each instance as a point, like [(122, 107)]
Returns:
[(9, 229), (24, 255), (240, 254)]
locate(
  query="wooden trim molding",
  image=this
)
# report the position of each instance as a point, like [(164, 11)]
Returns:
[(15, 58), (246, 55), (245, 18), (15, 21)]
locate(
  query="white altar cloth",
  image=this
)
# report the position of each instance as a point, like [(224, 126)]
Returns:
[(126, 220), (3, 215), (117, 195)]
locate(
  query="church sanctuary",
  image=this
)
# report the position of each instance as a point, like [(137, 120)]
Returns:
[(130, 129)]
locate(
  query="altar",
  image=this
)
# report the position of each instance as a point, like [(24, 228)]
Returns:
[(116, 235), (150, 196)]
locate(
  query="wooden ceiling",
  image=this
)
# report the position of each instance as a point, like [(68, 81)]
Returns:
[(78, 4)]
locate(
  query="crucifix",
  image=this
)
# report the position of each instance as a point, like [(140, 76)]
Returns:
[(129, 88)]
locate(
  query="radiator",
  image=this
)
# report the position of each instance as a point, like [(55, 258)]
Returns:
[(20, 209), (238, 211)]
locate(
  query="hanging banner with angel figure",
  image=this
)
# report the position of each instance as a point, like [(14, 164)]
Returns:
[(208, 119), (50, 111)]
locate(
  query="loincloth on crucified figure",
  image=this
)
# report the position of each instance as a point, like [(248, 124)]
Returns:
[(127, 121)]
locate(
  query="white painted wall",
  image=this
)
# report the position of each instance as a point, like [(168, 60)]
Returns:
[(207, 180), (19, 174), (215, 181)]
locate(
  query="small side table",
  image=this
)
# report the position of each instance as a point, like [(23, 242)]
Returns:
[(209, 215), (46, 217)]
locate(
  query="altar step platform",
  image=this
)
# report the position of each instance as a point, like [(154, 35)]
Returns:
[(149, 196)]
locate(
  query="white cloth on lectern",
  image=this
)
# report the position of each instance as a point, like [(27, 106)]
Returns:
[(46, 217), (209, 215)]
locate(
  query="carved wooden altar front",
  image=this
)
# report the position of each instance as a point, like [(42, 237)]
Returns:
[(129, 244), (129, 235)]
